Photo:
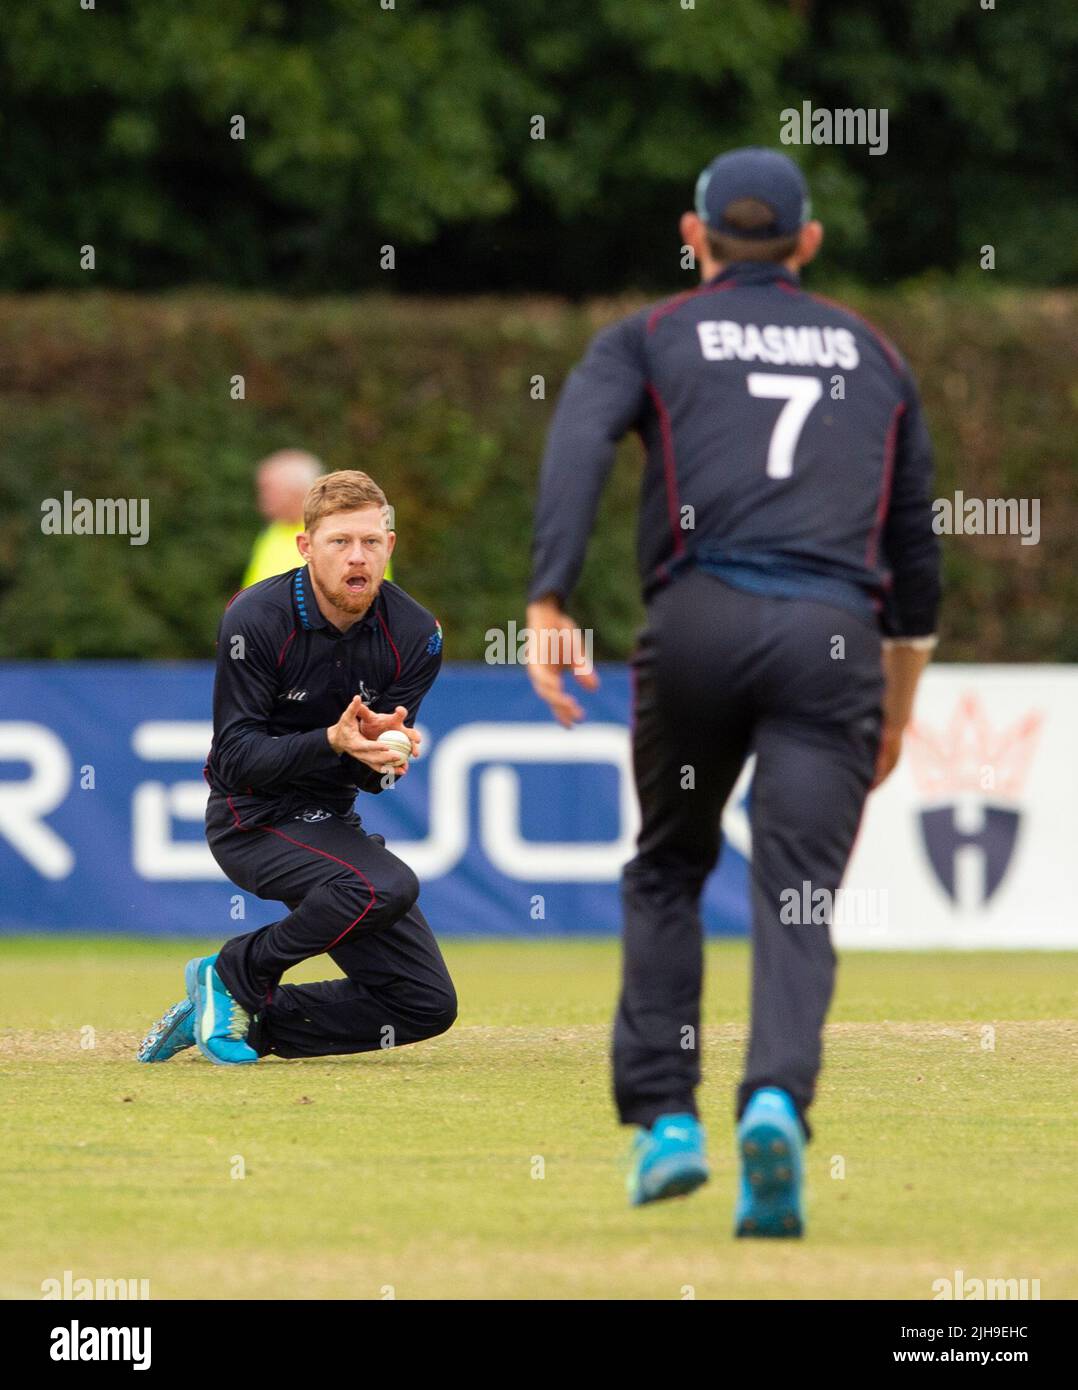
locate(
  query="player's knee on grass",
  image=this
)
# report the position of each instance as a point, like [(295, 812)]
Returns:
[(417, 1017), (440, 1013)]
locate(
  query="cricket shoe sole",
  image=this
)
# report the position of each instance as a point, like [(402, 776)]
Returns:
[(173, 1032), (771, 1147)]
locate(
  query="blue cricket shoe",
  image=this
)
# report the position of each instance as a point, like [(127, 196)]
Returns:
[(667, 1159), (220, 1023), (771, 1144), (172, 1033)]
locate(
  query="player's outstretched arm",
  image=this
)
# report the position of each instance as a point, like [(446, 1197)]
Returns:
[(554, 631), (601, 400)]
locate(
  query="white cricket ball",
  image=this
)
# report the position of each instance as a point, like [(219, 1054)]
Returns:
[(398, 739)]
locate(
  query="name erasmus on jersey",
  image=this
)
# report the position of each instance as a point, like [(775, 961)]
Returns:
[(782, 346)]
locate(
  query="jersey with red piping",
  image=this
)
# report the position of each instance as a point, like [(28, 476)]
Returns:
[(285, 674), (785, 449)]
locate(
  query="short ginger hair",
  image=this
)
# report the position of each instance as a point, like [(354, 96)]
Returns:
[(347, 490)]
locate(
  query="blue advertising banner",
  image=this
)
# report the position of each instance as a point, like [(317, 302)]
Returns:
[(515, 826)]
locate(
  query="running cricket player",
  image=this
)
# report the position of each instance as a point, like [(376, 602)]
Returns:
[(791, 578)]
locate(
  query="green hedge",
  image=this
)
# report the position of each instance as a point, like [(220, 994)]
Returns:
[(112, 395)]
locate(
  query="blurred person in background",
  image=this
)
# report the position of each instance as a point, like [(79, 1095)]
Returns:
[(283, 480)]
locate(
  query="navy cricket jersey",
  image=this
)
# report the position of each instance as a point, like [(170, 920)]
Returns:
[(285, 674), (754, 468)]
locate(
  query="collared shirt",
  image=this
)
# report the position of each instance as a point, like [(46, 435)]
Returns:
[(285, 674), (785, 450)]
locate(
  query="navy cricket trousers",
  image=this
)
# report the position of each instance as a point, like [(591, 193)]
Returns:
[(719, 674), (350, 898)]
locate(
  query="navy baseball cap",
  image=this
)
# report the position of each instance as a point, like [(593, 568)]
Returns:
[(754, 172)]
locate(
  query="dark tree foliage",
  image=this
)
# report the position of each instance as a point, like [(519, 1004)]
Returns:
[(413, 127)]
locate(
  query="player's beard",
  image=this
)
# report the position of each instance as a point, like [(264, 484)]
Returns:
[(345, 599)]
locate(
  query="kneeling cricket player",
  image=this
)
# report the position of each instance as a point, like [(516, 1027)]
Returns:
[(312, 666)]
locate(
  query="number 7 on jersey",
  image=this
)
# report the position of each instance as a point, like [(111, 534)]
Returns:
[(800, 394)]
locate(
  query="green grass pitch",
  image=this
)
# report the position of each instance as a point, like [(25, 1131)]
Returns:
[(487, 1163)]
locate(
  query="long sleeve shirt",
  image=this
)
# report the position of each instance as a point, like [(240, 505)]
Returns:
[(785, 450), (285, 674)]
